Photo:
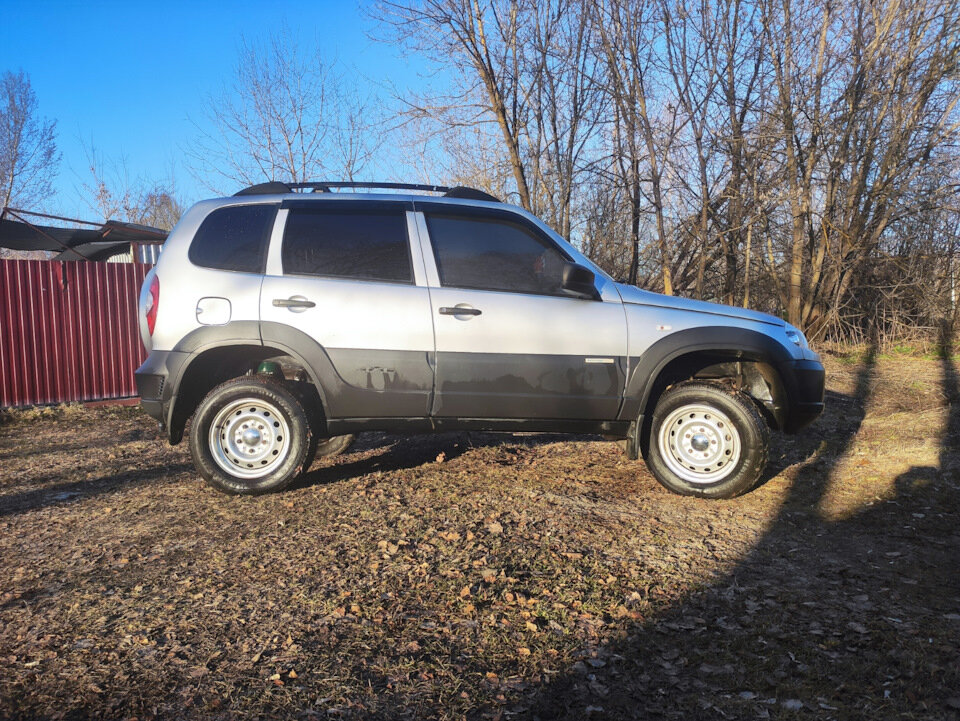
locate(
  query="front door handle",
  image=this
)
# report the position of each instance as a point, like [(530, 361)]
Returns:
[(457, 310), (295, 301)]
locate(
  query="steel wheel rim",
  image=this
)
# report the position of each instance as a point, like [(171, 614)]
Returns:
[(249, 438), (699, 444)]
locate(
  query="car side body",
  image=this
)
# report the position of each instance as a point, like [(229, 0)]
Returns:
[(412, 313)]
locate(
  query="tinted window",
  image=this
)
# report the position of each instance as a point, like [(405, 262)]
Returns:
[(347, 244), (234, 238), (494, 255)]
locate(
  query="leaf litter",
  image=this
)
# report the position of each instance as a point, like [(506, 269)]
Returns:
[(487, 576)]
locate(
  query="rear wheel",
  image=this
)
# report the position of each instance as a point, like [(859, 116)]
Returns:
[(706, 440), (250, 435), (334, 446)]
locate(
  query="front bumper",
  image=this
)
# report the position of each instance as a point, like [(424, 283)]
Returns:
[(804, 380)]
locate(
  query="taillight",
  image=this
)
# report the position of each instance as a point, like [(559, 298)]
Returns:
[(153, 302)]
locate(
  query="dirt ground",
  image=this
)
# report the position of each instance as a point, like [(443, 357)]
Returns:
[(485, 576)]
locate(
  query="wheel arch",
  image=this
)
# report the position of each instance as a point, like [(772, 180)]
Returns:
[(711, 353), (215, 354)]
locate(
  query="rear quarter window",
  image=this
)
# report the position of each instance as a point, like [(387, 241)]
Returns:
[(234, 238)]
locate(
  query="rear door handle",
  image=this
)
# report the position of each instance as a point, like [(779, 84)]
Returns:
[(456, 310), (296, 301)]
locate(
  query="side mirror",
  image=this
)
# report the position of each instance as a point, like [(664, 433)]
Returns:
[(579, 282)]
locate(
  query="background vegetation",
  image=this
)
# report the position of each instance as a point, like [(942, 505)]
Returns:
[(795, 156)]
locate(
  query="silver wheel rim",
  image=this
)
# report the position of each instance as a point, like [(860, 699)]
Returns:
[(249, 438), (699, 444)]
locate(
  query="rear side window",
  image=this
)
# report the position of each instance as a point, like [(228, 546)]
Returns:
[(348, 244), (494, 254), (234, 238)]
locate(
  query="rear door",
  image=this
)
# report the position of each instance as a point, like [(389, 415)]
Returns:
[(343, 273), (510, 343)]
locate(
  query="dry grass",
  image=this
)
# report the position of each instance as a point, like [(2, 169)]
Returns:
[(480, 576)]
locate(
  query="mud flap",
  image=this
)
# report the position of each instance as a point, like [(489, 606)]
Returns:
[(633, 440)]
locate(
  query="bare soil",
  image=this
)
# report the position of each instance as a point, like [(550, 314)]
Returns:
[(489, 576)]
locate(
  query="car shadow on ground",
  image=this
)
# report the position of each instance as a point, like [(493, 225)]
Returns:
[(384, 453), (824, 618)]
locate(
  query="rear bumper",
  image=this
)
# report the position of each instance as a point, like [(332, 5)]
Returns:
[(804, 380), (156, 383)]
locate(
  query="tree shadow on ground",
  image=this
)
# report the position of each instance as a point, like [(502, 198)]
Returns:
[(74, 491), (824, 618)]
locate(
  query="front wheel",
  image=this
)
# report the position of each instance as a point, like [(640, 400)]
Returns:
[(706, 440), (250, 435)]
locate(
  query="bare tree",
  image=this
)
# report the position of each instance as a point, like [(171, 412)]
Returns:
[(158, 207), (643, 140), (690, 39), (288, 116), (113, 195), (739, 55), (797, 35), (526, 69), (29, 158), (799, 156), (485, 46), (866, 101)]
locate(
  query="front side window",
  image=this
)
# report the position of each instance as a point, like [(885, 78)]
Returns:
[(348, 244), (494, 254), (234, 238)]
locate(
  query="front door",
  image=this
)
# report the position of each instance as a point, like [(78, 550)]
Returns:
[(510, 344)]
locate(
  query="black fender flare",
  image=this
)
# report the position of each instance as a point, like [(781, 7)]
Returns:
[(187, 350), (298, 345), (725, 341)]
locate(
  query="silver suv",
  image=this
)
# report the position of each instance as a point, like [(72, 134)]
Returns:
[(283, 322)]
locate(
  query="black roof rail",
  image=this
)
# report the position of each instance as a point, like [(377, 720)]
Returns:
[(275, 187), (271, 188)]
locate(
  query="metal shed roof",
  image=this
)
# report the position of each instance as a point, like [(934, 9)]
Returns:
[(98, 242)]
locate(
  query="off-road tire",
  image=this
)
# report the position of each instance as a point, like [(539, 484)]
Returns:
[(281, 441), (707, 440)]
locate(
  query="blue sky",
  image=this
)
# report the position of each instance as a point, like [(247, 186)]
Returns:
[(129, 77)]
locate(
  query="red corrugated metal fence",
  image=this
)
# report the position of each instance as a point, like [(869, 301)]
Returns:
[(68, 331)]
